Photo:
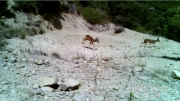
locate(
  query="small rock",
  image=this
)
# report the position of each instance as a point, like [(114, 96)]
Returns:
[(67, 93), (38, 62), (71, 94), (138, 69), (35, 86), (39, 92), (47, 89), (176, 74), (63, 87), (47, 81), (103, 62), (115, 87)]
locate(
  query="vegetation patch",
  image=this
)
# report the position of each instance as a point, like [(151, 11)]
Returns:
[(92, 15)]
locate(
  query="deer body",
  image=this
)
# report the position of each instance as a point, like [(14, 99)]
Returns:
[(88, 37), (150, 41)]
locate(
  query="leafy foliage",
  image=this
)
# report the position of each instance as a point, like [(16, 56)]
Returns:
[(158, 18), (27, 6), (91, 15), (4, 11), (168, 24)]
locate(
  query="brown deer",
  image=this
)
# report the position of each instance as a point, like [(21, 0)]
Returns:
[(151, 41), (88, 37)]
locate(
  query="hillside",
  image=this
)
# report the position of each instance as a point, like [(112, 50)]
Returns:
[(119, 70)]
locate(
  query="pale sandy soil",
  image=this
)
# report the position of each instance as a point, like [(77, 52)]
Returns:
[(116, 60)]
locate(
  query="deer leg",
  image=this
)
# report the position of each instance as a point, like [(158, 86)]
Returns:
[(141, 44), (89, 44), (93, 45), (83, 41), (145, 44)]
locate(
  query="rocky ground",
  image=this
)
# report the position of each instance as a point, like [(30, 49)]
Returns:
[(56, 66)]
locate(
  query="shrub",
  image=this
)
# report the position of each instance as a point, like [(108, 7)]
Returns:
[(4, 11), (168, 24), (27, 6), (3, 43), (119, 29), (22, 36), (54, 14), (92, 15)]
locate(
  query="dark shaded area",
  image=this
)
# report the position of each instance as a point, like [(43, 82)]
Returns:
[(4, 11), (72, 88), (27, 6), (51, 11), (170, 58), (54, 86)]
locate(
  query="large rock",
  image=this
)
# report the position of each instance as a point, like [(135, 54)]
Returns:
[(47, 81), (72, 84), (119, 29)]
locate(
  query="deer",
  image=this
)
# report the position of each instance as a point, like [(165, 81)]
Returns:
[(88, 37), (151, 41)]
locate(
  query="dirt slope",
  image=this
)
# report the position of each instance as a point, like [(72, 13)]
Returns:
[(118, 69)]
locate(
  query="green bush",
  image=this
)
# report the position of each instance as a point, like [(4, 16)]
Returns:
[(92, 15), (27, 6), (3, 43), (168, 24), (22, 35), (4, 11)]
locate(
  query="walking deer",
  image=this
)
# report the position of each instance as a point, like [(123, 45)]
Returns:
[(150, 41), (88, 37)]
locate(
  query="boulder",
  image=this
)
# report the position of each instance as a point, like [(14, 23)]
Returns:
[(119, 29), (47, 81), (72, 84)]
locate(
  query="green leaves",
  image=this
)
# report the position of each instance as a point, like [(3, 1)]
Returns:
[(92, 15)]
